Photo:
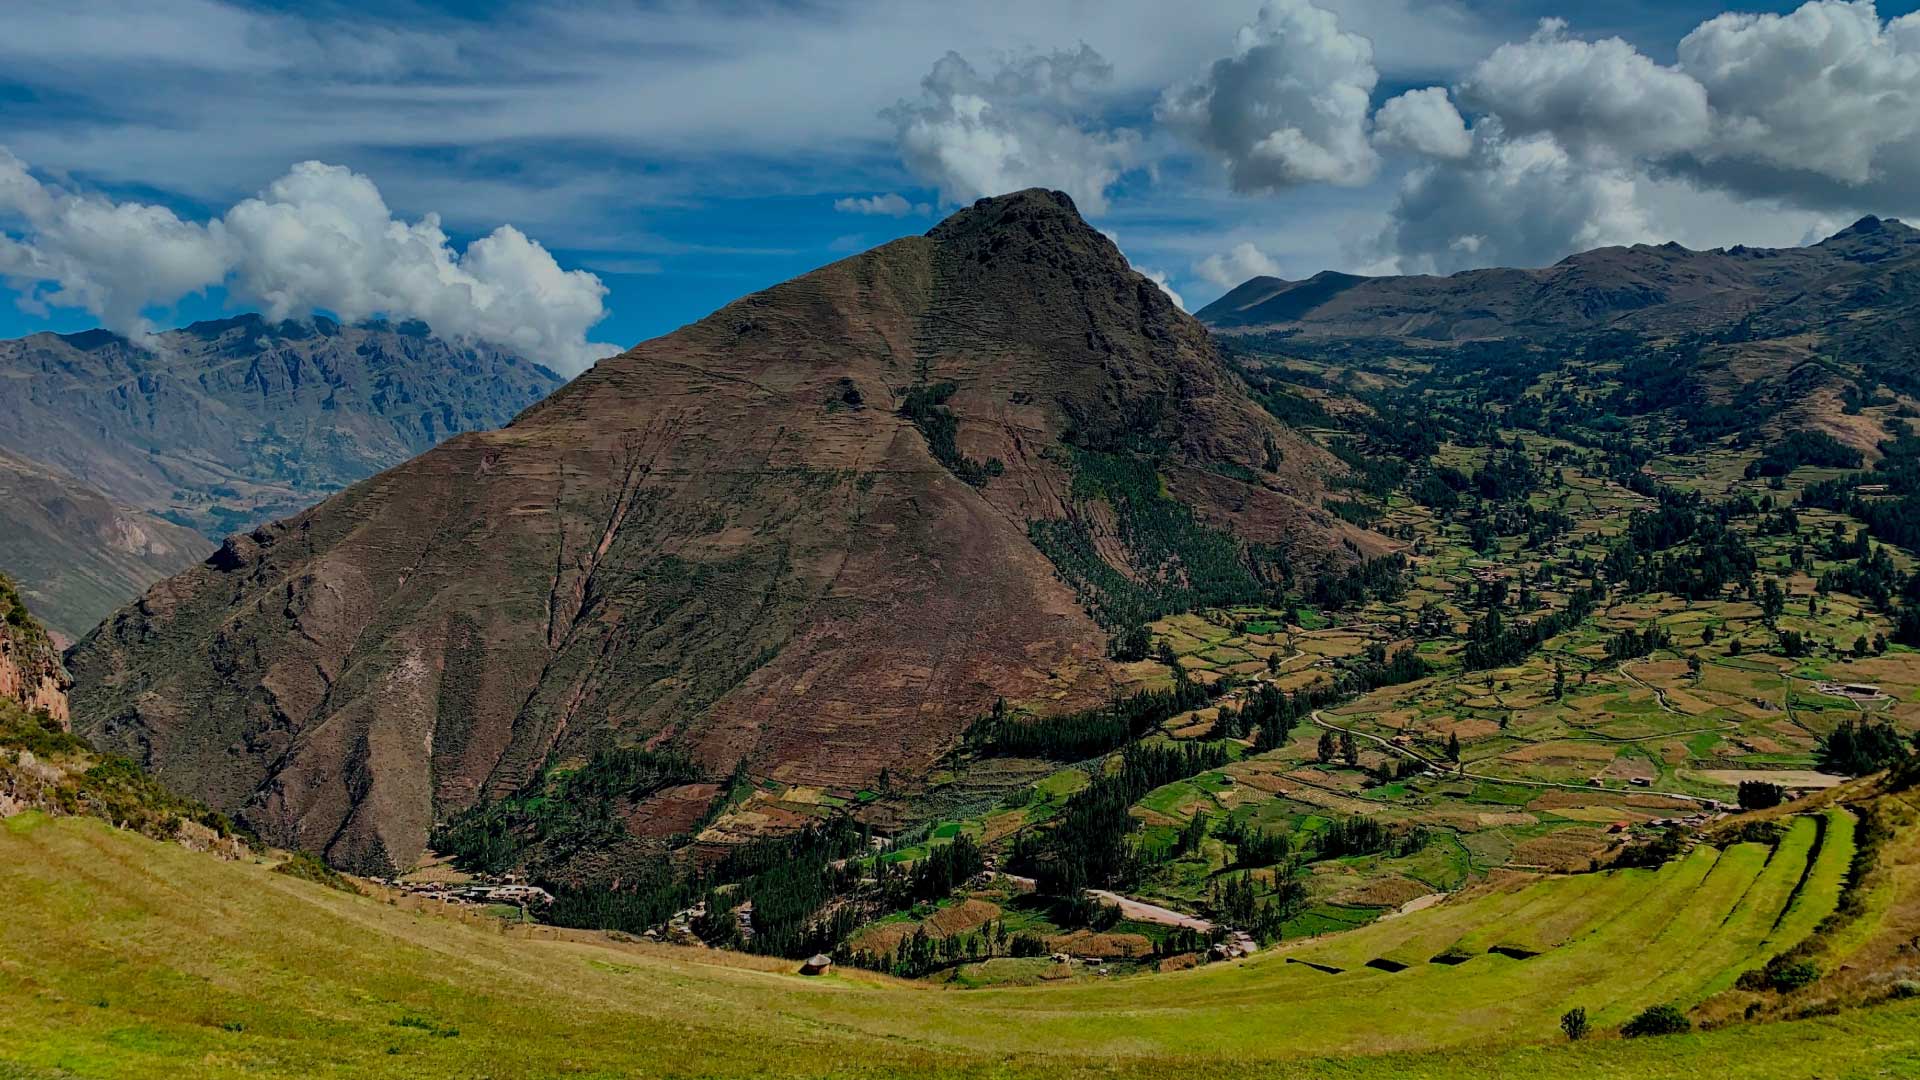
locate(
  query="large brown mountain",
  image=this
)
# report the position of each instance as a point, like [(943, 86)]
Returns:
[(79, 554), (224, 425), (794, 535), (1655, 289)]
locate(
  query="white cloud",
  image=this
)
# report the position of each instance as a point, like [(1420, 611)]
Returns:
[(1289, 106), (973, 135), (1520, 201), (1767, 128), (112, 259), (319, 238), (1230, 268), (1594, 97), (1425, 122), (891, 204), (1824, 99)]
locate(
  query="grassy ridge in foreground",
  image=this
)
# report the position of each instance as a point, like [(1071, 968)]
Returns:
[(123, 957)]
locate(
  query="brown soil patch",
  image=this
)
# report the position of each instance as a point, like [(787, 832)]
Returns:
[(963, 917), (1101, 946), (1383, 892), (1568, 849)]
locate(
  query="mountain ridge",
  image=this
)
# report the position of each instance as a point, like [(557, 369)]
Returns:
[(1664, 287), (226, 423)]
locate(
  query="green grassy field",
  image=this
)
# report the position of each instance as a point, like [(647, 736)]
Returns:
[(120, 956)]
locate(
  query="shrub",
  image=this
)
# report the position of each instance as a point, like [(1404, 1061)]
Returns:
[(1574, 1023), (309, 868), (1782, 973), (1657, 1020)]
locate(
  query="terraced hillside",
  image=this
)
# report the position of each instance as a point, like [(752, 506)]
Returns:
[(149, 960)]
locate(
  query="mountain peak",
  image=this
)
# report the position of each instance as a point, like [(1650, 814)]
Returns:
[(1034, 226), (1875, 227)]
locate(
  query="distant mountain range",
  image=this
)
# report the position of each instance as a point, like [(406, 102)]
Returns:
[(1663, 289), (123, 462), (1790, 337)]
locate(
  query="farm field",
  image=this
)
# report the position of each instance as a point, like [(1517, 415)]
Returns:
[(223, 969)]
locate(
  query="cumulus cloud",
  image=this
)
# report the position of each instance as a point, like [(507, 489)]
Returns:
[(112, 259), (1425, 122), (1825, 99), (1801, 118), (1230, 268), (1289, 107), (1522, 201), (1594, 97), (320, 238), (891, 204), (972, 134)]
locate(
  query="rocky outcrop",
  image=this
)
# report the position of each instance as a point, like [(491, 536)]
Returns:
[(797, 535), (31, 674)]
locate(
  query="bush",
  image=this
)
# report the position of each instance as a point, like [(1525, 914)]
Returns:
[(1658, 1020), (1574, 1023), (309, 868)]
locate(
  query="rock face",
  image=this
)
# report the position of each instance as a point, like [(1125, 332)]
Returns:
[(223, 425), (76, 553), (754, 538), (30, 669)]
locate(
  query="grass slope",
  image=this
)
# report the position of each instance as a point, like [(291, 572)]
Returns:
[(123, 957)]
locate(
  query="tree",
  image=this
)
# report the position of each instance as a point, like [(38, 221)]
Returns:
[(1574, 1023), (1693, 665), (1657, 1020), (1706, 636), (1760, 795), (1327, 748), (1453, 746), (1559, 681), (1349, 751), (1858, 747), (1773, 602)]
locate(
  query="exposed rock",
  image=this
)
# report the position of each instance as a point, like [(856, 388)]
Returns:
[(30, 670)]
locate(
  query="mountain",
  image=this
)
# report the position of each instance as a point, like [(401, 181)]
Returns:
[(810, 536), (1644, 288), (1776, 339), (31, 675), (79, 554), (223, 425)]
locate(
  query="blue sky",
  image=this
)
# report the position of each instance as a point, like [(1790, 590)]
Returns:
[(656, 160)]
